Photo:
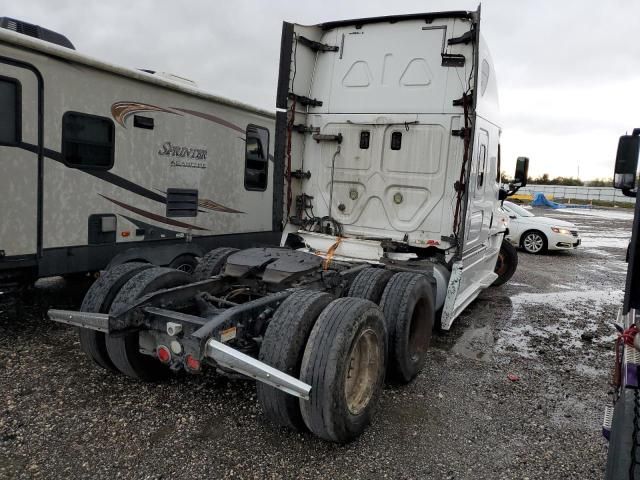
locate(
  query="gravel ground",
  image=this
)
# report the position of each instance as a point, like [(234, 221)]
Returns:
[(461, 419)]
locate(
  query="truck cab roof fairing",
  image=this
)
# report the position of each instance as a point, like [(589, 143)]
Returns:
[(428, 17)]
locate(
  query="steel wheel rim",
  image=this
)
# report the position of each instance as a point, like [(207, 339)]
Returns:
[(363, 371), (533, 243), (185, 267)]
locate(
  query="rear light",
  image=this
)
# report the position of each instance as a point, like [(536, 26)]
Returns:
[(163, 354), (192, 363)]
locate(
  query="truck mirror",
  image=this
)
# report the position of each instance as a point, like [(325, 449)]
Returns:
[(627, 161), (522, 171)]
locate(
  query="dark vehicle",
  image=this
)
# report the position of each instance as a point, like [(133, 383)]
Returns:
[(622, 419)]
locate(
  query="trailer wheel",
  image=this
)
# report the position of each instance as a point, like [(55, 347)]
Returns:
[(408, 308), (98, 299), (124, 350), (213, 263), (344, 362), (185, 263), (369, 284), (506, 264), (283, 346)]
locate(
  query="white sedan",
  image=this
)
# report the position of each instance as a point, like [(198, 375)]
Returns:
[(537, 234)]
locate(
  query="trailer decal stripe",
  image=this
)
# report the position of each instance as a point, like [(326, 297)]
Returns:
[(153, 216), (122, 110), (211, 118), (103, 175), (211, 205)]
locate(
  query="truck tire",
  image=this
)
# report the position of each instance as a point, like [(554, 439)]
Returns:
[(98, 299), (185, 263), (408, 306), (282, 348), (369, 284), (212, 263), (506, 264), (124, 350), (344, 362)]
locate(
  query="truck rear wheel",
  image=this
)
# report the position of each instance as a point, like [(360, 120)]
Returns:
[(212, 263), (124, 350), (506, 264), (98, 299), (408, 308), (369, 284), (344, 362), (282, 348)]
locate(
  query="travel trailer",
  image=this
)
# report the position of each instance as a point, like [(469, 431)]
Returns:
[(387, 154), (103, 164)]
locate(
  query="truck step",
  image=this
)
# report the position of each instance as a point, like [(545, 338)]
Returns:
[(631, 367), (607, 421)]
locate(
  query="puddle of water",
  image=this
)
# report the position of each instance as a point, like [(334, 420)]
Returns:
[(475, 343), (594, 212), (564, 300), (607, 242), (524, 339)]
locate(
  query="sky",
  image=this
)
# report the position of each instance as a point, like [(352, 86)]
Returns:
[(568, 71)]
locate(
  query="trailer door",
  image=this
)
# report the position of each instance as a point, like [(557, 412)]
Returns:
[(19, 147)]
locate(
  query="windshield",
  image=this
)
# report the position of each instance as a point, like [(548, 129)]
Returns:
[(521, 212)]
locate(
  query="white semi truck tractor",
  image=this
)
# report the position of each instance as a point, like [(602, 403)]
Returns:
[(387, 154)]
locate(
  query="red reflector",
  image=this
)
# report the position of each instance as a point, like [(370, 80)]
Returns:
[(192, 363), (163, 353)]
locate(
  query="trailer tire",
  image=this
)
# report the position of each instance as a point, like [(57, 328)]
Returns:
[(213, 262), (349, 335), (98, 299), (370, 283), (124, 350), (506, 264), (408, 306), (283, 347)]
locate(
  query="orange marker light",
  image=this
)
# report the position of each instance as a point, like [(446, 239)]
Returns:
[(126, 233)]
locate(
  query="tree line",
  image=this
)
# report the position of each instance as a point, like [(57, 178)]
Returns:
[(545, 179)]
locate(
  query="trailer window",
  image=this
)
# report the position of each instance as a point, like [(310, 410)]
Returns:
[(256, 167), (87, 141), (9, 111)]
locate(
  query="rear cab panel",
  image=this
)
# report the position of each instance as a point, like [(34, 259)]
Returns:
[(391, 89)]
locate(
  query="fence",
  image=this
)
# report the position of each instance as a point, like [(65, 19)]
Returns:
[(607, 194)]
